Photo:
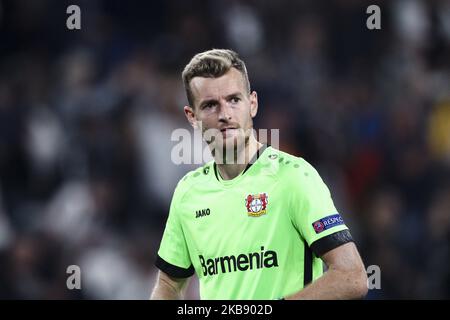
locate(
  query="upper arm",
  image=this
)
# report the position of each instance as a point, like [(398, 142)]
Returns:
[(178, 284), (313, 212), (168, 287), (346, 265), (173, 255), (344, 258)]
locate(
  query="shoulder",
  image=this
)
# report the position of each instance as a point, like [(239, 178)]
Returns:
[(200, 175), (286, 165)]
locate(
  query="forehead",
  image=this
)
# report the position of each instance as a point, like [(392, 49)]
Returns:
[(209, 88)]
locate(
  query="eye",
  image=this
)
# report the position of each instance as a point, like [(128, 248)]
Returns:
[(208, 105), (235, 100)]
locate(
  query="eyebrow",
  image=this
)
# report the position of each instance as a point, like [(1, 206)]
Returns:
[(231, 95)]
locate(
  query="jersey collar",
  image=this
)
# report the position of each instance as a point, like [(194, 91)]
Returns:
[(252, 161)]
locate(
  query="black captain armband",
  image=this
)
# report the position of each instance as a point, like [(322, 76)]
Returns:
[(331, 242), (172, 270)]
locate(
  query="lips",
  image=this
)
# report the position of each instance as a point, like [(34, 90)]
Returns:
[(227, 128), (227, 131)]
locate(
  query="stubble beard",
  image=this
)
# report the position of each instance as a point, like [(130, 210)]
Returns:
[(231, 152)]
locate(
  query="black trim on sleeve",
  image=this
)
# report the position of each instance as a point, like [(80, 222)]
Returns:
[(330, 242), (307, 266), (172, 270)]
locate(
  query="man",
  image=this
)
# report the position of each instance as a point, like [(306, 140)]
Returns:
[(255, 223)]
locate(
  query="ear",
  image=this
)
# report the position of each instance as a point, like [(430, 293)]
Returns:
[(253, 104), (190, 115)]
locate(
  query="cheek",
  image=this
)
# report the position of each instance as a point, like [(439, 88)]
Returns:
[(207, 121), (252, 111), (248, 118)]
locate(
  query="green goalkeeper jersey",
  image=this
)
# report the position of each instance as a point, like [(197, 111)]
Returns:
[(257, 236)]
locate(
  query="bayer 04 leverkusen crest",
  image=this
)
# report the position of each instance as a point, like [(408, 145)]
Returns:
[(256, 204)]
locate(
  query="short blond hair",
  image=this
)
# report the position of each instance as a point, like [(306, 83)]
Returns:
[(212, 64)]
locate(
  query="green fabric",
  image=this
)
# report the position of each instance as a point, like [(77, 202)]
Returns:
[(242, 255)]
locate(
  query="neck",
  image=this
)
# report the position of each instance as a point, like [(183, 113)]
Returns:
[(243, 157)]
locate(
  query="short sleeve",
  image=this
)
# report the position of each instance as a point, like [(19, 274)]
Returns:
[(173, 255), (313, 211)]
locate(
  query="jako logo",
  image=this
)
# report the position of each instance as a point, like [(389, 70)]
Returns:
[(202, 213), (243, 262)]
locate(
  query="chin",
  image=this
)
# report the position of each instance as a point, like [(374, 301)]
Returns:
[(233, 142)]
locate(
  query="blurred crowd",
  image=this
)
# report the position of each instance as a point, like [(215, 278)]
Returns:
[(86, 118)]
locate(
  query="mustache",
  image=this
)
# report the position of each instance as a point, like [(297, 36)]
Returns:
[(225, 126), (211, 135)]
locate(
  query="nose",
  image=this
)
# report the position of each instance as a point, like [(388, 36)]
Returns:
[(224, 112)]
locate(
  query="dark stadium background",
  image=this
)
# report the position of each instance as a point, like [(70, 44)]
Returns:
[(86, 118)]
